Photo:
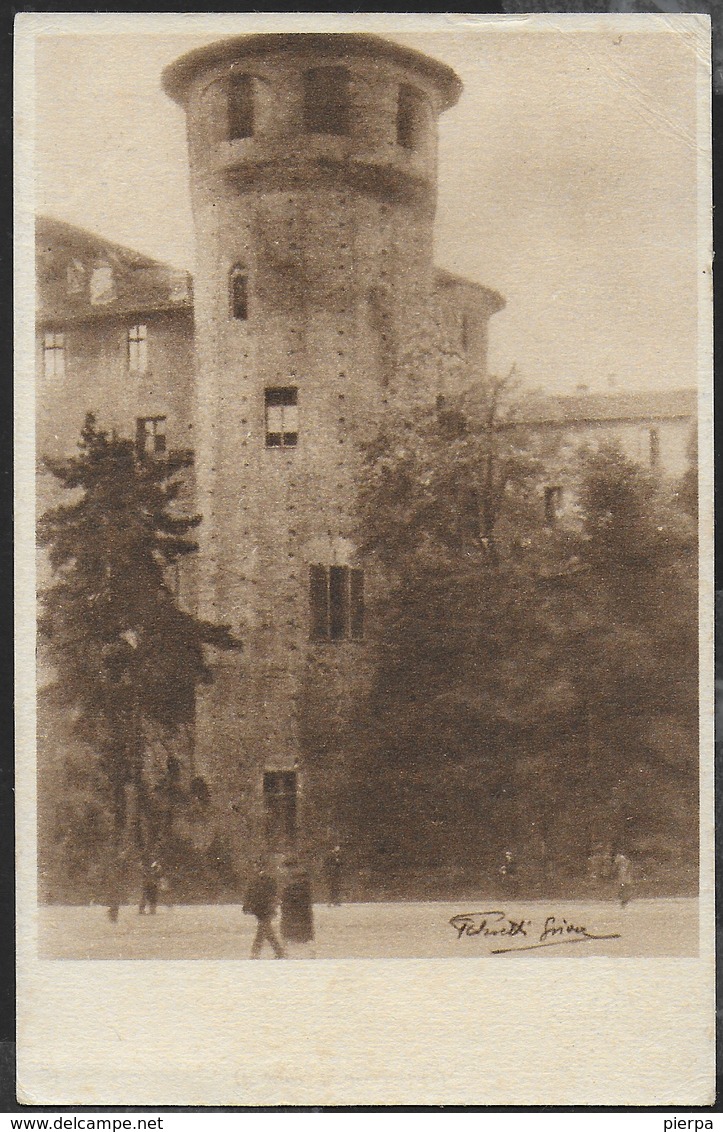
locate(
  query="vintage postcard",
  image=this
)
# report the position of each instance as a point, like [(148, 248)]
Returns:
[(364, 392)]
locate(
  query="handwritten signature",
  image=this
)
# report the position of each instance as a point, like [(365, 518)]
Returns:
[(555, 930)]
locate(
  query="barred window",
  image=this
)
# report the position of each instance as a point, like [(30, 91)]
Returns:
[(54, 354), (336, 603)]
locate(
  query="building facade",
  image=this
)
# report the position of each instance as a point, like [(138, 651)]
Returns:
[(313, 181), (313, 171)]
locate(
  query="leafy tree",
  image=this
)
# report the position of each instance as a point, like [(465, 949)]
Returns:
[(128, 659), (631, 648), (535, 682), (451, 507)]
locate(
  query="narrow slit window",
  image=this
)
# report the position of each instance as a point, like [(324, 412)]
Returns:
[(336, 595), (75, 275), (654, 447), (138, 349), (240, 107), (150, 436), (239, 288), (465, 332), (54, 354), (553, 504), (282, 417), (326, 100), (409, 117)]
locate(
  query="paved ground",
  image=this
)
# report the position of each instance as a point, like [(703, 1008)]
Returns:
[(374, 931)]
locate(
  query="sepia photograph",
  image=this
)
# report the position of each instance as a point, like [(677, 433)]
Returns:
[(371, 371)]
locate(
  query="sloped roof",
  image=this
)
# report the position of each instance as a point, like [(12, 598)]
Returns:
[(338, 45), (139, 283), (493, 300), (581, 408)]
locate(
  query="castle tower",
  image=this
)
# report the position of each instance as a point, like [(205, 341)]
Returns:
[(313, 180)]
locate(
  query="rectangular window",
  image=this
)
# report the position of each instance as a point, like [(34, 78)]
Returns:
[(408, 117), (280, 790), (138, 349), (239, 295), (54, 354), (326, 100), (150, 436), (553, 504), (654, 443), (75, 275), (319, 602), (240, 107), (282, 417), (336, 596)]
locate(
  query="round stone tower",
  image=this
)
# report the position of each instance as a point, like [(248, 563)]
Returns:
[(313, 179)]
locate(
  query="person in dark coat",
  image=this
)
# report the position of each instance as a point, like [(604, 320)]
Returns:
[(261, 901), (297, 913), (332, 869), (151, 884), (508, 872)]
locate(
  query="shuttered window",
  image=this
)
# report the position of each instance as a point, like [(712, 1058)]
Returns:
[(336, 599), (356, 604)]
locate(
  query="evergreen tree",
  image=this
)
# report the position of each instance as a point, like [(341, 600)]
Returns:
[(128, 659)]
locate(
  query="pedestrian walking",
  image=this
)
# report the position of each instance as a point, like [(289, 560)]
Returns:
[(152, 881), (333, 871), (624, 875), (508, 872), (261, 901), (297, 913)]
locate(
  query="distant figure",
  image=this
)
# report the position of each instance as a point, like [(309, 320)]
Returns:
[(114, 877), (332, 870), (261, 901), (624, 874), (151, 885), (508, 872), (297, 914)]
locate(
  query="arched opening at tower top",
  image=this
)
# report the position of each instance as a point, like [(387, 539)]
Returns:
[(326, 100), (240, 106)]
